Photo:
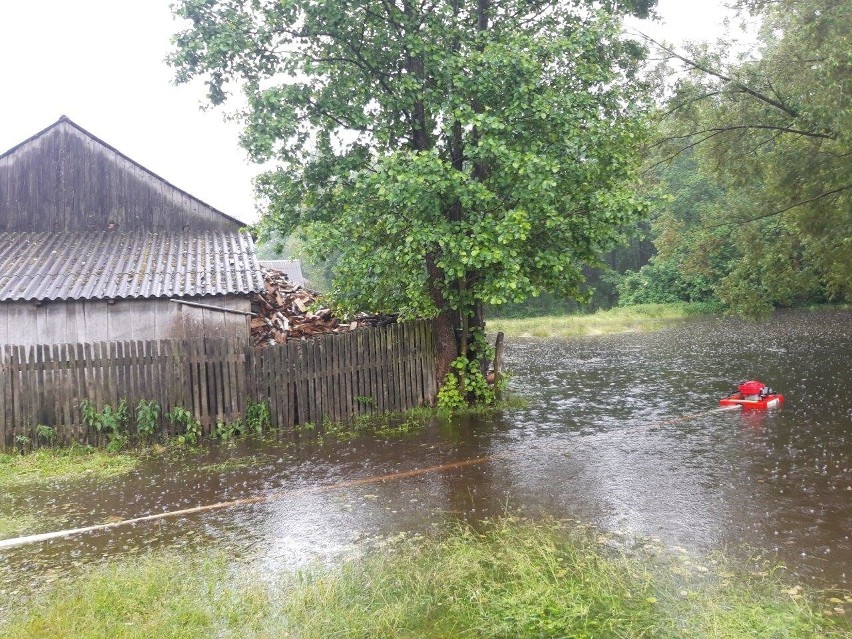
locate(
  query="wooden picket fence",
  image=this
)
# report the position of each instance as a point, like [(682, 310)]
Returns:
[(332, 377)]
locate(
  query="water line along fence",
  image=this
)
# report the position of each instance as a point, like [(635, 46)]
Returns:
[(332, 377)]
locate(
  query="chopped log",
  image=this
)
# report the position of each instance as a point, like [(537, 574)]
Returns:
[(283, 313)]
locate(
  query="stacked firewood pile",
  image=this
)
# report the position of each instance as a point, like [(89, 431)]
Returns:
[(286, 311)]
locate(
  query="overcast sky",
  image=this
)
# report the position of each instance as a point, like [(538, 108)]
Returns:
[(101, 63)]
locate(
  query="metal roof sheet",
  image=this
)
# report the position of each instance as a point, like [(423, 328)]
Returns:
[(291, 268), (121, 265)]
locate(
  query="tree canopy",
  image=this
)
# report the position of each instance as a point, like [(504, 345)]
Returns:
[(453, 153), (767, 217)]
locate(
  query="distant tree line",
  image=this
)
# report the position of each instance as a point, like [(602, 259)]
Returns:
[(751, 170)]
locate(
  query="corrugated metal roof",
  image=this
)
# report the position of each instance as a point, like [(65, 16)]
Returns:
[(291, 268), (120, 265)]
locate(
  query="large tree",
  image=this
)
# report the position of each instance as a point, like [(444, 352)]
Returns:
[(772, 128), (453, 153)]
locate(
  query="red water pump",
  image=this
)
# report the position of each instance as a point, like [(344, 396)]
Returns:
[(753, 387), (753, 394)]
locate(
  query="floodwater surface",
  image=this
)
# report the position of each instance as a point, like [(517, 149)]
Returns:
[(620, 431)]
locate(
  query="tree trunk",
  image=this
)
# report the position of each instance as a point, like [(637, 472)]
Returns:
[(446, 344)]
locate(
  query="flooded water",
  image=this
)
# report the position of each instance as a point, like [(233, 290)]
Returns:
[(620, 431)]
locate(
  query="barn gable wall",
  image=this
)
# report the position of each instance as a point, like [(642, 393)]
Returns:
[(65, 179)]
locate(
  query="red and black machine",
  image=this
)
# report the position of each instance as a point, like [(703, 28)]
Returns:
[(753, 395)]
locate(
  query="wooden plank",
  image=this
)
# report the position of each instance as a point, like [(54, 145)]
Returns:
[(402, 366), (431, 372), (192, 374), (215, 358), (334, 375), (235, 402), (290, 380), (339, 383), (14, 379), (419, 332), (401, 361), (409, 329), (57, 386), (4, 393), (300, 366), (388, 378), (406, 361), (174, 384), (204, 385), (113, 371), (137, 376), (379, 372), (78, 381), (419, 345), (347, 364), (316, 402), (326, 377), (285, 385), (365, 364), (329, 409), (66, 381)]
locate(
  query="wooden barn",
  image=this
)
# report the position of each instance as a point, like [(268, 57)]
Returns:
[(95, 247)]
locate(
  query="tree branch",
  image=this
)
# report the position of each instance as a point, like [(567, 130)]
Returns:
[(784, 210), (739, 127), (718, 74)]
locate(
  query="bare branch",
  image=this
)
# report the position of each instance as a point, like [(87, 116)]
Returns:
[(785, 209), (740, 127)]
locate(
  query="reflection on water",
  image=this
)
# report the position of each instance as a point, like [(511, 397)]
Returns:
[(602, 441)]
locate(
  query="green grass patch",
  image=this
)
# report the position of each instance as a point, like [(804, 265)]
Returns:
[(74, 462), (19, 524), (639, 318), (402, 423), (512, 579), (163, 595)]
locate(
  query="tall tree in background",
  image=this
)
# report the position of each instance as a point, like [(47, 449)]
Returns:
[(454, 153), (773, 129)]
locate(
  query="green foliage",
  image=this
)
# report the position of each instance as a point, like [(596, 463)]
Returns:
[(41, 435), (109, 421), (180, 416), (45, 434), (466, 382), (760, 205), (147, 418), (452, 154), (23, 443), (257, 419), (226, 431)]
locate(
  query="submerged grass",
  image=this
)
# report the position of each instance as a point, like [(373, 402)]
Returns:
[(642, 317), (46, 464), (513, 578), (17, 524)]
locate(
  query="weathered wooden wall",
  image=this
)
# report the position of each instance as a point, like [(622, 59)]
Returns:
[(61, 322), (333, 377), (65, 179)]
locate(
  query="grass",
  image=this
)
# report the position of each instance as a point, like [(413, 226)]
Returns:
[(19, 524), (513, 578), (643, 317), (74, 462)]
